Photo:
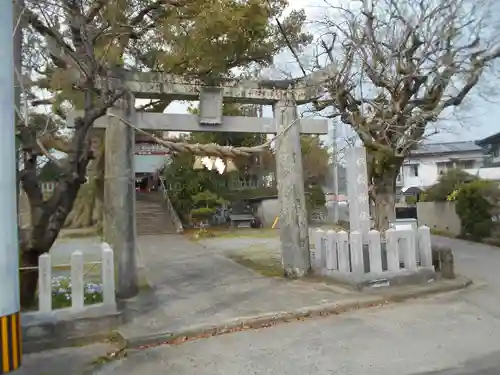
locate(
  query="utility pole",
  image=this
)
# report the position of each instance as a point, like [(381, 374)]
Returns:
[(10, 340), (18, 89), (335, 174)]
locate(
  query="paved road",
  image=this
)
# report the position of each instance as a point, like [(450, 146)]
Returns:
[(455, 334), (413, 338), (197, 285)]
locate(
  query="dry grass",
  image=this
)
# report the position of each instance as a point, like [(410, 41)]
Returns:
[(261, 259)]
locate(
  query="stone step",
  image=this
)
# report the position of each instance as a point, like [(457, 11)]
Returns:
[(141, 231), (150, 198), (155, 225), (154, 206), (152, 212), (151, 215), (154, 230), (149, 204)]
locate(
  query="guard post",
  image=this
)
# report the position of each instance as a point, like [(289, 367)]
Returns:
[(10, 324)]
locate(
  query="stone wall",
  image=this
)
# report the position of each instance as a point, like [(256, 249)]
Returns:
[(439, 216), (268, 209)]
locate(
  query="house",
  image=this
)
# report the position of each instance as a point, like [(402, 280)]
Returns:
[(425, 164), (491, 148)]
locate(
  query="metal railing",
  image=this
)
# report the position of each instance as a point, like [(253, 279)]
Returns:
[(170, 208)]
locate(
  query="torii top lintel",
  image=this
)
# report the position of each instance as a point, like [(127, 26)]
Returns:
[(154, 85)]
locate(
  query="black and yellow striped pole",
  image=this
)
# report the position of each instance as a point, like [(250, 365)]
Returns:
[(10, 327), (10, 334)]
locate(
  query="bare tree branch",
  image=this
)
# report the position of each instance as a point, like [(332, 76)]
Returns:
[(400, 65), (94, 10)]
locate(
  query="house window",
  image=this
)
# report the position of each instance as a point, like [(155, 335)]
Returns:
[(443, 167), (414, 170)]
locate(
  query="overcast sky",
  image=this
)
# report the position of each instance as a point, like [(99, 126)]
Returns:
[(477, 119)]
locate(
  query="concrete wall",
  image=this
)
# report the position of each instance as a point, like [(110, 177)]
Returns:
[(486, 173), (439, 215), (268, 209)]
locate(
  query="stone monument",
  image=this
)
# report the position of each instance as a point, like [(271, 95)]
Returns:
[(357, 190)]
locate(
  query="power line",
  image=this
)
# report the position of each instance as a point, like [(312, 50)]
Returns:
[(288, 43)]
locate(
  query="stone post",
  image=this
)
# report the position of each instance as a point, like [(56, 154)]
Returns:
[(320, 248), (107, 274), (343, 252), (119, 197), (424, 246), (44, 283), (391, 238), (375, 251), (332, 258), (409, 251), (293, 215), (357, 261), (77, 292)]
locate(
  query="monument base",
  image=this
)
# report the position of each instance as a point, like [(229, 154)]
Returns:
[(386, 279), (375, 280)]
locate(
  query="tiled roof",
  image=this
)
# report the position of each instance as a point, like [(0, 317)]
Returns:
[(446, 148)]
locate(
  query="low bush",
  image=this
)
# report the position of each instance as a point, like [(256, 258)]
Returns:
[(411, 200), (475, 208)]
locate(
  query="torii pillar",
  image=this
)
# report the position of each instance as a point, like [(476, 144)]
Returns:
[(294, 235), (119, 225)]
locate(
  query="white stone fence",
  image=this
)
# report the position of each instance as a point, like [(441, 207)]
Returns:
[(350, 253), (45, 280)]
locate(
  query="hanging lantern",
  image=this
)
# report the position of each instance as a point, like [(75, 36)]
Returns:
[(230, 166), (198, 164)]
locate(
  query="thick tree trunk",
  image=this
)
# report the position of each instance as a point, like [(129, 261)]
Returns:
[(87, 211), (40, 237), (47, 217), (383, 194)]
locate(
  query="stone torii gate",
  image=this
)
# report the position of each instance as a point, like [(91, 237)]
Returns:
[(284, 96)]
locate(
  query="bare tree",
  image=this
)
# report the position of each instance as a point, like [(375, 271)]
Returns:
[(399, 66), (80, 45)]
